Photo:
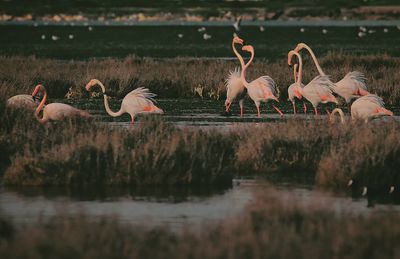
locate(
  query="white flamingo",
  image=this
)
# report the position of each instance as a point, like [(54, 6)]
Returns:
[(353, 85), (291, 88), (55, 111), (317, 91), (135, 102), (23, 101), (234, 86), (261, 89)]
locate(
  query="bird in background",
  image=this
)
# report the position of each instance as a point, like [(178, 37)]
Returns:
[(55, 111), (234, 87), (261, 89), (353, 85), (25, 101), (291, 95), (317, 91), (237, 23), (135, 102)]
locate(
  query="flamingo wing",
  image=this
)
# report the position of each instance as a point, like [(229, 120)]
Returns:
[(140, 100), (267, 81), (234, 85)]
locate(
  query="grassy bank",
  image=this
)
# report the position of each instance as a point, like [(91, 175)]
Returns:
[(271, 227), (176, 78), (154, 152)]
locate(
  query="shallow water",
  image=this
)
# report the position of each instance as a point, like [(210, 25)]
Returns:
[(176, 209), (83, 41)]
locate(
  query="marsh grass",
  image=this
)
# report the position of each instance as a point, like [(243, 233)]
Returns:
[(179, 77), (272, 226), (82, 152)]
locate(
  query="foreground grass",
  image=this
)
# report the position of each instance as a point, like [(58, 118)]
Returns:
[(271, 227), (176, 78), (157, 153)]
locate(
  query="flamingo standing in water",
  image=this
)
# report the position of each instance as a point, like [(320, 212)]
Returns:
[(55, 111), (261, 89), (317, 91), (291, 88), (353, 85), (23, 101), (136, 102), (234, 86)]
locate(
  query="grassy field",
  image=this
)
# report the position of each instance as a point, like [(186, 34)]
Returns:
[(271, 227), (178, 78)]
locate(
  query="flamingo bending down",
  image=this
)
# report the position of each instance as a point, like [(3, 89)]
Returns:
[(55, 111), (261, 89), (23, 101), (291, 88), (353, 85), (365, 108), (234, 86), (136, 102), (317, 91)]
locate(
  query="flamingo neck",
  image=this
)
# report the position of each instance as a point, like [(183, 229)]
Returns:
[(320, 71), (237, 54), (40, 107), (106, 105), (295, 72), (341, 114), (244, 68), (300, 75)]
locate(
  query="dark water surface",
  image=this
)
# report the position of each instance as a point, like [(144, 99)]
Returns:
[(172, 40)]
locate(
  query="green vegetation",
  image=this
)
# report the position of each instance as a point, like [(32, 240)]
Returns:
[(271, 227)]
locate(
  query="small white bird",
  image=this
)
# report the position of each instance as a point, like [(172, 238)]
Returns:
[(262, 28), (180, 35), (371, 31), (236, 24), (361, 34), (386, 30), (90, 28), (363, 29), (302, 30), (54, 37), (201, 29), (71, 36), (43, 37), (324, 31), (206, 36)]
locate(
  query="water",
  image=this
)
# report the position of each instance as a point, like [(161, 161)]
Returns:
[(154, 40), (176, 209)]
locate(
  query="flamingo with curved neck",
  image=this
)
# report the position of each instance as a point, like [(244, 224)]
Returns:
[(261, 89), (55, 111), (353, 85), (317, 91), (23, 101), (234, 86), (291, 88), (135, 102)]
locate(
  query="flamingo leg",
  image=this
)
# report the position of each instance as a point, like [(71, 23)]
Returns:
[(316, 111), (241, 111), (348, 107), (279, 111), (258, 112), (327, 111), (305, 107), (133, 120), (294, 108)]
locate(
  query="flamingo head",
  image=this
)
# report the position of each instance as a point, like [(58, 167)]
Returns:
[(297, 93), (248, 48), (300, 46), (91, 83), (290, 56), (237, 40)]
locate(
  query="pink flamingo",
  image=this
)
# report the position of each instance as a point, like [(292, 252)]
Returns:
[(291, 94), (261, 89), (353, 85), (55, 111), (23, 101), (234, 86), (317, 91), (136, 102)]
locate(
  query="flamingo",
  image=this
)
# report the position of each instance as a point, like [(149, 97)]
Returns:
[(317, 91), (291, 91), (261, 89), (55, 111), (23, 101), (353, 85), (234, 86), (136, 102)]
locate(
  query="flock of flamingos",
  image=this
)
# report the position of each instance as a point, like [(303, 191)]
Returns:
[(263, 89)]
